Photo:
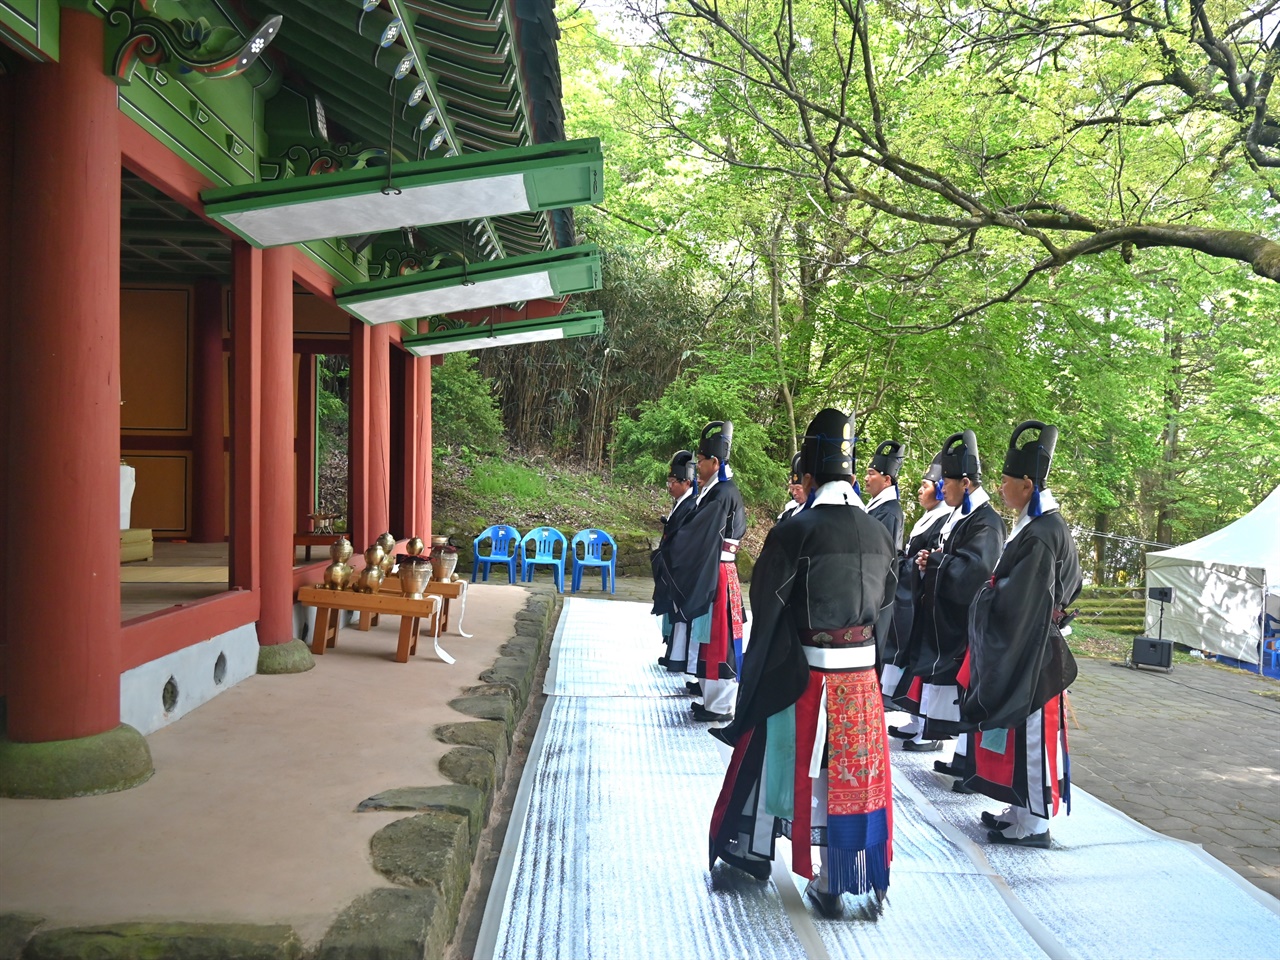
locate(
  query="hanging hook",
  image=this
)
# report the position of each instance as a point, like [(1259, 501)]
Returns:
[(390, 189)]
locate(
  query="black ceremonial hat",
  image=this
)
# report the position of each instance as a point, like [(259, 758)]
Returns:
[(797, 472), (828, 445), (960, 457), (682, 466), (933, 473), (1032, 459), (717, 438), (888, 458)]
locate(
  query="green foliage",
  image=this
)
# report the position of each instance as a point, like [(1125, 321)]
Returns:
[(464, 413), (645, 444)]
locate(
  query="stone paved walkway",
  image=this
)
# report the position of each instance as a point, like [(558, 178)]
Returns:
[(1194, 754)]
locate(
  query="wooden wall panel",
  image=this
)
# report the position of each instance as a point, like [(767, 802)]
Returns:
[(155, 360), (313, 315), (163, 494)]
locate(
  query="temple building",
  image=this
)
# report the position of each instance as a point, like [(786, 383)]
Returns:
[(198, 198)]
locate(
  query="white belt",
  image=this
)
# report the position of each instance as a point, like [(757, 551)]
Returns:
[(841, 658), (727, 557)]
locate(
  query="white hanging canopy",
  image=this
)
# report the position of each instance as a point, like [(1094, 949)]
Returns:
[(1221, 584)]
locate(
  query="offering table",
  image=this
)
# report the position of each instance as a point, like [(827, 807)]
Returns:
[(411, 613)]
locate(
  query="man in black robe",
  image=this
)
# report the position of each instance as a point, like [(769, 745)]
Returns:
[(881, 484), (971, 541), (810, 757), (795, 486), (697, 568), (1019, 663), (896, 652), (675, 633)]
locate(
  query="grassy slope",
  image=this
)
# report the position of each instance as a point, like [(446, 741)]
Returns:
[(470, 493)]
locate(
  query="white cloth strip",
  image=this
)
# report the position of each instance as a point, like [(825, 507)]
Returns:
[(841, 658), (819, 736)]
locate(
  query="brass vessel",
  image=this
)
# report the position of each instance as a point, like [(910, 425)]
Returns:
[(339, 572), (371, 576), (414, 578)]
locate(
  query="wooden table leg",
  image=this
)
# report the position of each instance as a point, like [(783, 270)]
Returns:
[(444, 616), (318, 638), (368, 620), (413, 646), (406, 640)]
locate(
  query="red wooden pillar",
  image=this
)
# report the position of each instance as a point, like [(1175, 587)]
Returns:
[(407, 404), (305, 443), (276, 511), (210, 522), (7, 140), (358, 449), (379, 495), (370, 454), (246, 413), (421, 420), (63, 457)]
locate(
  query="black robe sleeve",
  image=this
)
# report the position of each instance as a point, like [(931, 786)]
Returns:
[(670, 524), (962, 571), (774, 669), (688, 563), (890, 514), (953, 577), (1018, 659)]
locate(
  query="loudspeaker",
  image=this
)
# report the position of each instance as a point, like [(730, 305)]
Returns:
[(1150, 652), (1160, 594)]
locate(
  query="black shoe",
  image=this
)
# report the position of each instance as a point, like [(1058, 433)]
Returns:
[(959, 787), (664, 662), (902, 734), (830, 905), (950, 769), (702, 713), (675, 666), (1039, 840), (992, 822), (922, 746), (693, 688), (760, 869)]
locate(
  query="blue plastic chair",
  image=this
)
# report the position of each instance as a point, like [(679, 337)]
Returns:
[(504, 550), (593, 543), (543, 541), (1270, 642)]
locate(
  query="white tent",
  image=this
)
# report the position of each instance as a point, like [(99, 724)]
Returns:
[(1220, 584)]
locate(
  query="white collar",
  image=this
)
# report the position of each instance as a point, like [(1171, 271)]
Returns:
[(884, 496), (931, 516), (728, 475), (683, 497), (838, 492), (1047, 505), (790, 508), (976, 499)]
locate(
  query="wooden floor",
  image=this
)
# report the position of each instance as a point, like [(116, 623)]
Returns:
[(179, 573)]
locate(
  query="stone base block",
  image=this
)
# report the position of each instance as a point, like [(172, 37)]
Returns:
[(103, 763)]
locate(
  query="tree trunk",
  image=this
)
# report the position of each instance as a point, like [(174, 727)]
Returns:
[(1101, 523), (775, 312), (1173, 402)]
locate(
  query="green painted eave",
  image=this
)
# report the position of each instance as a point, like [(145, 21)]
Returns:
[(422, 193), (486, 284), (483, 336), (31, 27)]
